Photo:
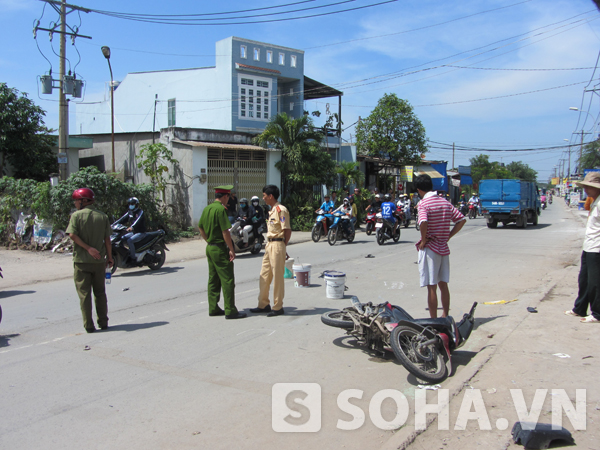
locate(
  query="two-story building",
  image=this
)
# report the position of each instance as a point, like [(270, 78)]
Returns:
[(219, 109)]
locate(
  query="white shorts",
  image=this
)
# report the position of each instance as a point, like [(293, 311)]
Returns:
[(433, 267)]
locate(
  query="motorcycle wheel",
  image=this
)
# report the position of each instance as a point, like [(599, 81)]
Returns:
[(332, 236), (369, 229), (116, 262), (256, 248), (380, 236), (160, 257), (316, 232), (338, 319), (417, 226), (351, 236), (396, 235), (0, 313), (426, 364)]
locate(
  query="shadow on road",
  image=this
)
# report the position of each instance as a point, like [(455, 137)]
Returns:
[(139, 273), (292, 311), (4, 339), (134, 326), (483, 320), (6, 294)]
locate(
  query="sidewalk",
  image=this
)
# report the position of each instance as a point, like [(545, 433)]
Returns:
[(24, 267), (527, 355)]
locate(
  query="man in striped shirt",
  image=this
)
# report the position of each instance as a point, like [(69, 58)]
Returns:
[(435, 215)]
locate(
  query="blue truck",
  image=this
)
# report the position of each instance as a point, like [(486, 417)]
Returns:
[(508, 201)]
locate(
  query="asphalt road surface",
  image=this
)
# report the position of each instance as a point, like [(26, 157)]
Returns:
[(167, 376)]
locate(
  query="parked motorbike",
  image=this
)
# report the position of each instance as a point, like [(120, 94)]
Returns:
[(423, 346), (321, 226), (150, 251), (254, 243), (385, 230), (472, 210), (342, 228), (370, 222)]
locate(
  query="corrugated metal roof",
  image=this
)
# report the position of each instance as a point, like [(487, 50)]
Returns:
[(222, 145)]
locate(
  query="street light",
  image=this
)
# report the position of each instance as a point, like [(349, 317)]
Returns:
[(106, 53)]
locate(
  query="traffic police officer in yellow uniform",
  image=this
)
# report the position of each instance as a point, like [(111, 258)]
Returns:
[(279, 232), (214, 228)]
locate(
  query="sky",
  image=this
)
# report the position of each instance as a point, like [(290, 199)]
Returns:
[(495, 77)]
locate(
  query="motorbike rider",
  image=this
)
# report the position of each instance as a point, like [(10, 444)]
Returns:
[(345, 208), (404, 205), (258, 217), (326, 206), (135, 220), (543, 198), (375, 205), (387, 211), (245, 213), (475, 200)]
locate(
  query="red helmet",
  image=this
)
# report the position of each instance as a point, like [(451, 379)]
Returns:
[(83, 193)]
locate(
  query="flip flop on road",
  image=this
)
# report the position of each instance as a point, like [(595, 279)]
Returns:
[(590, 319), (571, 313)]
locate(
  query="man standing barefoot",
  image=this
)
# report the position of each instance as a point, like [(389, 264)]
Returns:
[(435, 215)]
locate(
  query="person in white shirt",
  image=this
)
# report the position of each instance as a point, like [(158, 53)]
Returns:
[(589, 281)]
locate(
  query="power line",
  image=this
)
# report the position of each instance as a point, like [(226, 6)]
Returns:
[(249, 22)]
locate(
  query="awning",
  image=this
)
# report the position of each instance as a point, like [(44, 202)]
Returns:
[(428, 170), (223, 145)]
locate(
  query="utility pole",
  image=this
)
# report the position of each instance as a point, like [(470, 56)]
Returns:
[(63, 113), (579, 168), (453, 155), (67, 83)]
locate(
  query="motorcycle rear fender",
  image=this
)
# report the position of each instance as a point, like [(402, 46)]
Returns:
[(429, 334), (466, 325)]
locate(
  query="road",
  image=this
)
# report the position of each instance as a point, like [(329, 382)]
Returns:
[(167, 376)]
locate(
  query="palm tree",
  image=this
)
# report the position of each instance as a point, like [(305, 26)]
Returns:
[(286, 133), (291, 136), (350, 172)]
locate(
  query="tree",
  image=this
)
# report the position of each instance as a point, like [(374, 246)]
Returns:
[(350, 172), (153, 161), (590, 156), (392, 131), (284, 132), (304, 163), (522, 171), (482, 168), (25, 142)]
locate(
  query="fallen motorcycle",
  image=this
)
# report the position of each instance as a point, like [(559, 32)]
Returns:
[(422, 346), (150, 251)]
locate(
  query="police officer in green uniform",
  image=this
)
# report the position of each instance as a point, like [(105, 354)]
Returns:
[(92, 253), (214, 227)]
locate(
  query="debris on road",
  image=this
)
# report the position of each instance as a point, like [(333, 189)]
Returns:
[(500, 302)]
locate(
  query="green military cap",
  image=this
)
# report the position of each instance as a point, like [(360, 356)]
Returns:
[(226, 189)]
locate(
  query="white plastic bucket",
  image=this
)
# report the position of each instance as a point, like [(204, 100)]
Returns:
[(301, 275), (335, 283), (289, 267)]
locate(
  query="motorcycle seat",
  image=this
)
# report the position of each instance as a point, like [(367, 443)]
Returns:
[(149, 237), (439, 322)]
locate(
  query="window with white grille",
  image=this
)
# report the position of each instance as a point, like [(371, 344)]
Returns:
[(254, 102)]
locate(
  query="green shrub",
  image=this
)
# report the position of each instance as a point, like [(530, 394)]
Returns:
[(55, 203)]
